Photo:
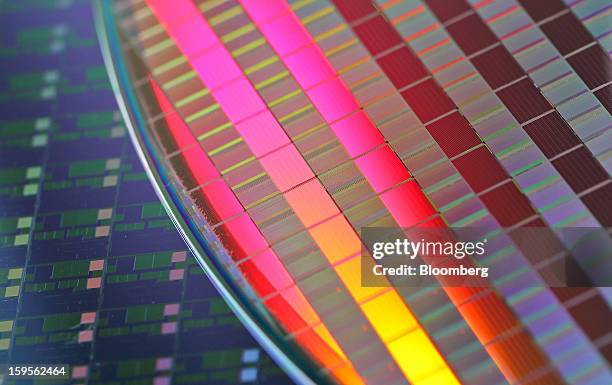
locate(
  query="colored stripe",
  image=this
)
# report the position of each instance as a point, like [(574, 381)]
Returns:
[(265, 269), (381, 167), (443, 13), (429, 102)]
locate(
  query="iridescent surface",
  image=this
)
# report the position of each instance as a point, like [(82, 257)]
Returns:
[(275, 131)]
